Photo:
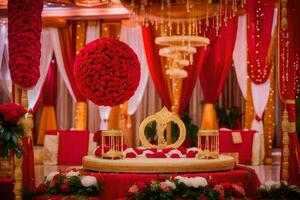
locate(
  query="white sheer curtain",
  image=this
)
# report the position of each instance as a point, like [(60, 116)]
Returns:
[(260, 94), (46, 56), (5, 79), (195, 106), (92, 31), (131, 34), (240, 54)]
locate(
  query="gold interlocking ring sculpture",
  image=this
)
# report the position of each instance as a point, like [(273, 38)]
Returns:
[(162, 118)]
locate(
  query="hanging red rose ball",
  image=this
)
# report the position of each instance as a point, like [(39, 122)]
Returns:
[(107, 72)]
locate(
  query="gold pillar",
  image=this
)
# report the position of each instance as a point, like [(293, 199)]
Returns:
[(285, 142), (21, 97), (249, 106), (81, 115)]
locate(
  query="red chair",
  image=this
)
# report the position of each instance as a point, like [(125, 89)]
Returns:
[(72, 146)]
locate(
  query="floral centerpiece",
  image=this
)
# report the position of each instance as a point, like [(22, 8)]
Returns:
[(278, 190), (10, 130), (69, 182), (107, 71), (185, 188), (24, 33)]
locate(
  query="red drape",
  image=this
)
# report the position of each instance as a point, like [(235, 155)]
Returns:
[(218, 62), (189, 82), (67, 37), (289, 74), (260, 18), (48, 97), (50, 85), (154, 64)]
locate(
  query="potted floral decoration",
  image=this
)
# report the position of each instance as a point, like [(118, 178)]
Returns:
[(185, 188), (70, 182), (10, 129)]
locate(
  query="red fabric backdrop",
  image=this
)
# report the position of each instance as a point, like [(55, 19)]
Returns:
[(260, 18), (154, 64), (289, 74), (218, 61)]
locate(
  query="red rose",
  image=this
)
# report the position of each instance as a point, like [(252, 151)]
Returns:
[(12, 112), (130, 155), (24, 31), (191, 154), (153, 150), (182, 150), (140, 185), (138, 151), (65, 187), (150, 155), (175, 155), (41, 188), (228, 187), (107, 71), (159, 155), (167, 150)]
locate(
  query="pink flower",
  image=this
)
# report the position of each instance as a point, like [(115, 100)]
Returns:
[(238, 190), (164, 187), (133, 189), (219, 188)]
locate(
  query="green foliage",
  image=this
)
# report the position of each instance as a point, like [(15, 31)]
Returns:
[(227, 117), (279, 191), (9, 137)]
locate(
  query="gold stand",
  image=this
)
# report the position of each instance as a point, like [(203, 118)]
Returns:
[(285, 142)]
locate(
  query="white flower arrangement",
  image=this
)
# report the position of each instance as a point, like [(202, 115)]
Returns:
[(51, 176), (171, 184), (88, 181), (72, 173), (270, 184), (192, 182)]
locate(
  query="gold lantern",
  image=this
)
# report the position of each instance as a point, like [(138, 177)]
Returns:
[(208, 144), (114, 140), (208, 135)]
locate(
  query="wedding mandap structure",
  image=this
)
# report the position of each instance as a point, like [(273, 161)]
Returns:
[(149, 99)]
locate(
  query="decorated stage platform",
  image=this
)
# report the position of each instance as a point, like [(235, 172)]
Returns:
[(116, 185)]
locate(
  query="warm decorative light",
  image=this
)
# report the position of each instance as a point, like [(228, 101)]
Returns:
[(182, 17), (92, 3), (3, 3)]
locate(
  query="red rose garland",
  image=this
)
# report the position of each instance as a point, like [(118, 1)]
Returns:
[(24, 32), (107, 71)]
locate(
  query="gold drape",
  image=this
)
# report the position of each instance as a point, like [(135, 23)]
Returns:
[(249, 106), (80, 107), (269, 120), (47, 122)]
